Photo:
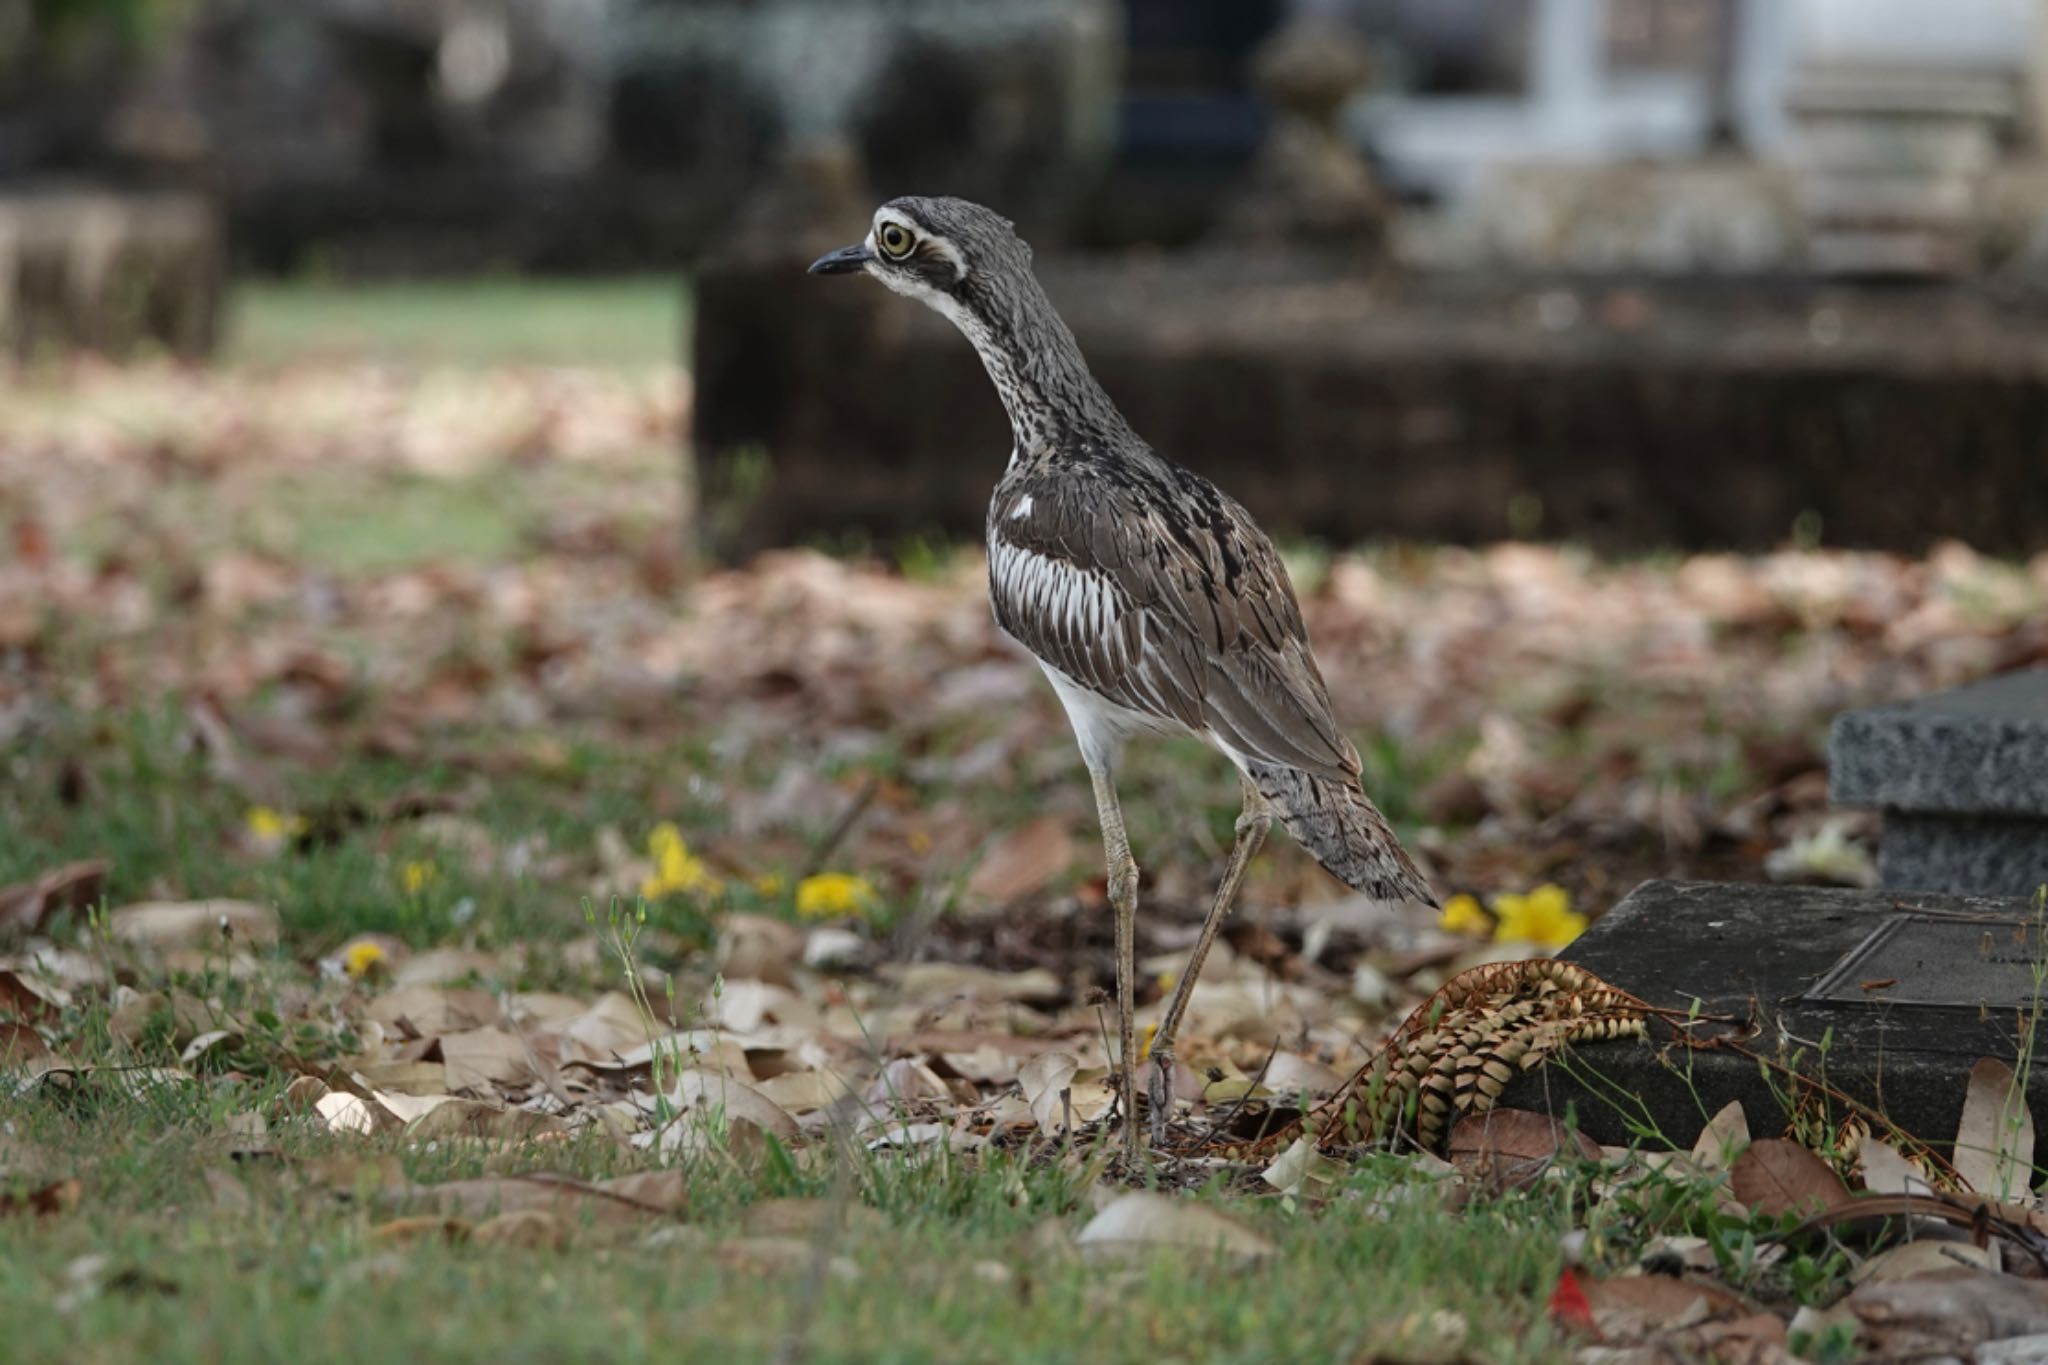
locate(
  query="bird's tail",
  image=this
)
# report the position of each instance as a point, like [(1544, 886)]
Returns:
[(1338, 823)]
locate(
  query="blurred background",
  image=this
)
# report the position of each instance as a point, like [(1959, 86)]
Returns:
[(421, 447)]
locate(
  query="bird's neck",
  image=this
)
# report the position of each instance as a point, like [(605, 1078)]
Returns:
[(1052, 399)]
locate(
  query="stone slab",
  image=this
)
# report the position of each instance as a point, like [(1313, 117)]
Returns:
[(1977, 750), (1908, 992), (1977, 855)]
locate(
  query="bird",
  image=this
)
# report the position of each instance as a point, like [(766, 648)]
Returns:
[(1150, 598)]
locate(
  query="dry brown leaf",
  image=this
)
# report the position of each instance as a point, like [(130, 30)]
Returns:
[(1511, 1147), (44, 1201), (344, 1113), (1045, 1079), (649, 1194), (793, 1217), (455, 1118), (1946, 1313), (1633, 1308), (193, 924), (1723, 1139), (429, 1011), (1023, 862), (229, 1194), (528, 1228), (1994, 1149), (481, 1058), (784, 1258), (1302, 1171), (931, 980), (406, 1078), (1927, 1256), (1887, 1170), (446, 967), (804, 1092), (1776, 1176), (20, 1045), (26, 907), (420, 1228), (25, 998), (698, 1093), (1144, 1224)]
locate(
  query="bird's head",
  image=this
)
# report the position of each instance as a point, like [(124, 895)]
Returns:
[(949, 253)]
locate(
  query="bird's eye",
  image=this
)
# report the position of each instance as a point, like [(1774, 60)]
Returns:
[(895, 241)]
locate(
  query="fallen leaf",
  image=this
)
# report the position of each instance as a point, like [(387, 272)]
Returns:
[(1023, 862), (481, 1058), (527, 1228), (1994, 1149), (699, 1093), (783, 1258), (794, 1217), (429, 1011), (345, 1113), (1927, 1256), (1946, 1313), (1512, 1147), (44, 1201), (626, 1198), (420, 1228), (1776, 1176), (25, 998), (1887, 1170), (1144, 1224), (1045, 1079), (1302, 1171), (193, 924), (457, 1118), (1631, 1308), (20, 1045), (26, 907), (1722, 1140)]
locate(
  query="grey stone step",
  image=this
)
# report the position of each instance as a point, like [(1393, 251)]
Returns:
[(1962, 778)]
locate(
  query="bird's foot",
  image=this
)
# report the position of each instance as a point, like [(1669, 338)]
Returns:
[(1160, 1094)]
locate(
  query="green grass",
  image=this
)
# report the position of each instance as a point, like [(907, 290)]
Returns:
[(301, 1273), (632, 322)]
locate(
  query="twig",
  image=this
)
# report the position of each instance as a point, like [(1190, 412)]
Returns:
[(843, 826)]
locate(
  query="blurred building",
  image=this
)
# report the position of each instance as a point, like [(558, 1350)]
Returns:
[(422, 134)]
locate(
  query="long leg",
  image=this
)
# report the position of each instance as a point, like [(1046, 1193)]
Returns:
[(1123, 895), (1252, 823)]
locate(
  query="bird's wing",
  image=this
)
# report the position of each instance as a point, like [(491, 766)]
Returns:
[(1157, 591)]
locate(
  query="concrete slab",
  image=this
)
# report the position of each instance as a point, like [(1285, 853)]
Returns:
[(1892, 997), (1962, 778)]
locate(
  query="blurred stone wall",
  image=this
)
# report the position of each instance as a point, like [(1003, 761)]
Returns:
[(402, 135)]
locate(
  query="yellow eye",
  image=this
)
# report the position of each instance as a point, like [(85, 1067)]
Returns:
[(895, 240)]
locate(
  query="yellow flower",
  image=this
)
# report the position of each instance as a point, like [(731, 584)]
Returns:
[(769, 885), (272, 825), (1544, 916), (1461, 915), (675, 867), (1145, 1043), (363, 957), (415, 877), (831, 894)]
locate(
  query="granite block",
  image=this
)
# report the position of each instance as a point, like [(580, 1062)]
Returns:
[(1978, 855), (1895, 996), (1978, 750)]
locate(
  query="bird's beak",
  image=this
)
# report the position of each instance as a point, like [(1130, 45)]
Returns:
[(843, 261)]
